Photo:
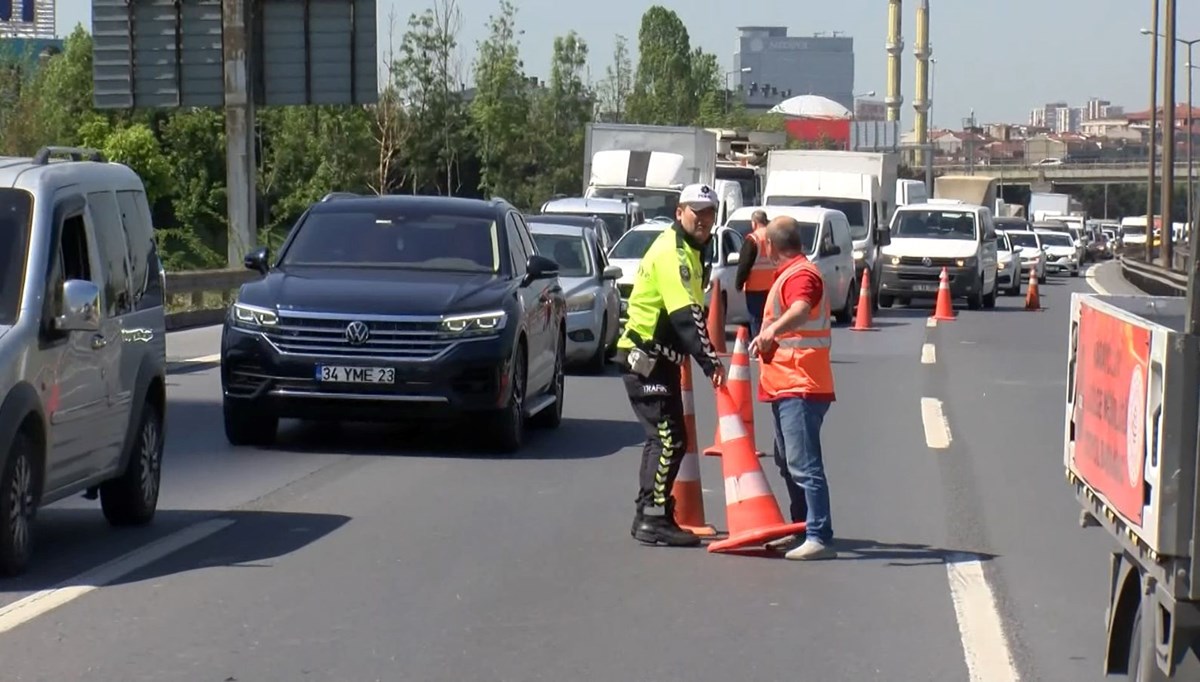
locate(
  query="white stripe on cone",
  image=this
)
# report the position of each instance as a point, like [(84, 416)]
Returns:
[(731, 428), (746, 487), (739, 373)]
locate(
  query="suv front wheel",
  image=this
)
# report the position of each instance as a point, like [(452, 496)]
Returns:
[(133, 498)]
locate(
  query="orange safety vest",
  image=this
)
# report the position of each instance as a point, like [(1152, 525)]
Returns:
[(762, 275), (801, 362)]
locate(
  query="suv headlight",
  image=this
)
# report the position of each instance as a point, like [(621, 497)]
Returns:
[(479, 324), (253, 317), (581, 302)]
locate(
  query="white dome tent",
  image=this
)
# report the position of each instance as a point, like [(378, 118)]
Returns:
[(812, 107)]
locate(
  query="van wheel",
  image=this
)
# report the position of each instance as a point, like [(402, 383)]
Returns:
[(975, 301), (989, 301), (18, 506), (846, 314), (132, 499), (885, 301)]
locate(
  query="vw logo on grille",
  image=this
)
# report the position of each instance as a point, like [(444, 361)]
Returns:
[(357, 333), (927, 261)]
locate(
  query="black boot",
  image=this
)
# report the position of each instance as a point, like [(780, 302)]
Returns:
[(659, 527)]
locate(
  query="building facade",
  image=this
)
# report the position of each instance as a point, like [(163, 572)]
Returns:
[(771, 66), (27, 19)]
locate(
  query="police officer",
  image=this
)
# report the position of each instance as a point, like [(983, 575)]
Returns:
[(665, 327)]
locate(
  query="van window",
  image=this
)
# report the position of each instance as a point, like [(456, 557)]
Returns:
[(841, 234), (110, 238), (145, 286), (15, 208)]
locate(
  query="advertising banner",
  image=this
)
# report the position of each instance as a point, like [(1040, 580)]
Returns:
[(1110, 408)]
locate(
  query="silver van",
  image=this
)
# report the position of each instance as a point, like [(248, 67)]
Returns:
[(82, 343)]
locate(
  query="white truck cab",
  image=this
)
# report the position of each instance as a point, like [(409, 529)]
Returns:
[(925, 238)]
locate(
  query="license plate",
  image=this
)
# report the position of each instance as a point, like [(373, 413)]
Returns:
[(356, 375), (925, 287)]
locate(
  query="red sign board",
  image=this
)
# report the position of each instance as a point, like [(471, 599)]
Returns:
[(1111, 372)]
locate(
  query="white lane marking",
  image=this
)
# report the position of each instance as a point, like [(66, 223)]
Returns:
[(1090, 276), (24, 610), (937, 431), (928, 354), (985, 646), (931, 322)]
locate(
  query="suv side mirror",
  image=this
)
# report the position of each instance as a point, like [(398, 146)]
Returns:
[(258, 259), (540, 267), (80, 308), (612, 272)]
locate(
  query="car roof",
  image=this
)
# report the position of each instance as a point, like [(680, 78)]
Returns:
[(565, 230), (597, 204), (481, 208), (958, 207)]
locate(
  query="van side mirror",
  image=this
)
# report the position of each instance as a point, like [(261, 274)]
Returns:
[(258, 259), (831, 250), (80, 308), (612, 272), (883, 236)]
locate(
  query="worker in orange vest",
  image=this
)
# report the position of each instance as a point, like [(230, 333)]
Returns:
[(755, 270), (796, 379)]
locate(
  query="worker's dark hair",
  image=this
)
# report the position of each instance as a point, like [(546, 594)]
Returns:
[(785, 236), (759, 217)]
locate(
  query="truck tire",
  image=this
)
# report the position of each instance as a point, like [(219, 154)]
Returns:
[(1133, 671)]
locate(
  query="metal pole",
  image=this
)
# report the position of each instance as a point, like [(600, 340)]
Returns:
[(1191, 192), (1168, 160), (240, 164), (1153, 131)]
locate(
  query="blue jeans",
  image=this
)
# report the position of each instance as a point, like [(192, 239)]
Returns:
[(756, 301), (798, 456)]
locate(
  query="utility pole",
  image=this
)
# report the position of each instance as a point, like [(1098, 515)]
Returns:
[(1168, 160), (1153, 132)]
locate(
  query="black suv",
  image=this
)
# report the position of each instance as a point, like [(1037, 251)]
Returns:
[(385, 308)]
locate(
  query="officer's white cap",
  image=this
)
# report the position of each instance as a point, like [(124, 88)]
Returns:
[(698, 197)]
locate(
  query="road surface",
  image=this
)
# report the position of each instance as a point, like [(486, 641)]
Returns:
[(370, 553)]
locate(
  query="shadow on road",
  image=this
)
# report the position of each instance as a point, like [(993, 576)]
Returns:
[(892, 554), (70, 542)]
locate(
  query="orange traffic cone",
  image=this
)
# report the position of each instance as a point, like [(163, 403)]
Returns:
[(716, 318), (945, 307), (689, 498), (751, 511), (862, 317), (741, 388), (1032, 300)]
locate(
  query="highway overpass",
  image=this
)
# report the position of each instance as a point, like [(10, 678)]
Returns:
[(1066, 174)]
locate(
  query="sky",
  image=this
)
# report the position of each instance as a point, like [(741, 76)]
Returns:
[(997, 58)]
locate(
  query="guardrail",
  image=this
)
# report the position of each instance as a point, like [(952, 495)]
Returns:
[(205, 295), (984, 169), (1153, 278)]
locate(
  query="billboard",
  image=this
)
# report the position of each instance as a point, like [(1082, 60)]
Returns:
[(171, 53)]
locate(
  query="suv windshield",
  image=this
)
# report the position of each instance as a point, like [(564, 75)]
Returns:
[(395, 237), (935, 224), (633, 245), (15, 209), (571, 253)]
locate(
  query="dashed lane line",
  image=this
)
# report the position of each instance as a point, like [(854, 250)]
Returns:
[(928, 354), (937, 431), (931, 322), (985, 645), (40, 603)]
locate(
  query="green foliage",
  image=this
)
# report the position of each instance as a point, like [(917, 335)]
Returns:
[(501, 108)]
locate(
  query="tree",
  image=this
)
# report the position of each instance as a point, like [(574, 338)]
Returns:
[(501, 107), (707, 90), (617, 85), (390, 127), (562, 112), (427, 83), (663, 90)]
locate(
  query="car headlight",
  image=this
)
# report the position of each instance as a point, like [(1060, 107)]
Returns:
[(1004, 265), (581, 302), (895, 260), (254, 317), (965, 262), (478, 324), (859, 254)]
